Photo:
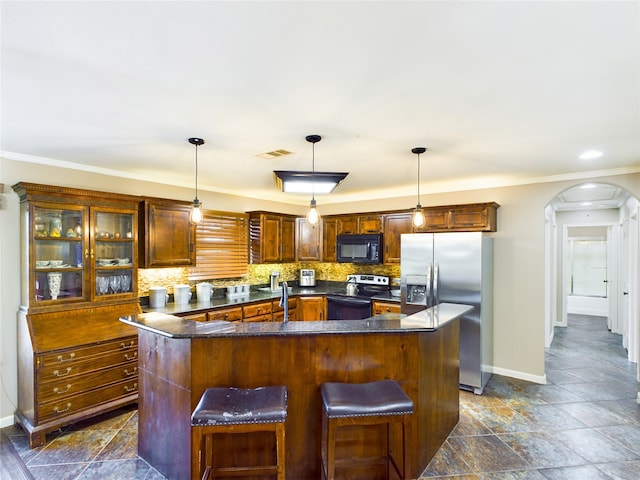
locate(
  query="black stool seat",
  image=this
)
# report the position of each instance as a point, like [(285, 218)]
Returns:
[(384, 397), (232, 406), (230, 410), (381, 402)]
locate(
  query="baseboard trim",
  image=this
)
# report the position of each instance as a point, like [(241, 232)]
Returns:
[(7, 421), (541, 379)]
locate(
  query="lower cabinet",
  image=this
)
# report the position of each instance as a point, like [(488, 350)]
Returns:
[(379, 307), (257, 312), (312, 308), (278, 311), (74, 365)]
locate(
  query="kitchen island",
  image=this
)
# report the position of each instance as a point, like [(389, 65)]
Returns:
[(180, 358)]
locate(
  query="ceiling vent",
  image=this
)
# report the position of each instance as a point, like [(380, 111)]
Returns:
[(274, 154)]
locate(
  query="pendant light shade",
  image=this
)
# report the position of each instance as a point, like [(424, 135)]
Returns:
[(196, 209), (313, 217), (418, 214)]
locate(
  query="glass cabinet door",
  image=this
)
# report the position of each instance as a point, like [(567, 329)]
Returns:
[(113, 253), (59, 244)]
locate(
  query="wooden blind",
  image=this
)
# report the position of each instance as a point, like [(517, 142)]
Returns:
[(221, 246)]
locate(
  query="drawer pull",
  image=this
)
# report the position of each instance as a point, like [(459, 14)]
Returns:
[(61, 359), (131, 357), (60, 391), (132, 372), (57, 409), (124, 346), (57, 373), (131, 389)]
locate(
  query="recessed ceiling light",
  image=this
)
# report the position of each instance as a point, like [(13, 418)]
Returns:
[(590, 154)]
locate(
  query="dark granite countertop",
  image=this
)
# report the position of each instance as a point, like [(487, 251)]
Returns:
[(176, 327), (196, 306)]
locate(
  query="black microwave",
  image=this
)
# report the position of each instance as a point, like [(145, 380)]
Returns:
[(365, 248)]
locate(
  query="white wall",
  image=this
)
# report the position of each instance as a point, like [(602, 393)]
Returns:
[(518, 263)]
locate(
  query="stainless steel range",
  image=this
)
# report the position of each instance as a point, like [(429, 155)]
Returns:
[(354, 302)]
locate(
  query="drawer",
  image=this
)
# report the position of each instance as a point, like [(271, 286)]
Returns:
[(54, 373), (62, 388), (198, 317), (256, 309), (258, 318), (81, 353), (385, 307), (70, 405), (292, 304), (228, 314), (279, 316)]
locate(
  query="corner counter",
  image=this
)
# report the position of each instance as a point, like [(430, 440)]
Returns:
[(180, 358)]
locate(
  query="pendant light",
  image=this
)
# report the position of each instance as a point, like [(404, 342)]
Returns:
[(418, 214), (313, 216), (196, 209)]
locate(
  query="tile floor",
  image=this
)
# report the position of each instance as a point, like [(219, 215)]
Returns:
[(584, 424)]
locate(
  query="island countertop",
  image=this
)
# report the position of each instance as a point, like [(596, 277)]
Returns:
[(177, 327)]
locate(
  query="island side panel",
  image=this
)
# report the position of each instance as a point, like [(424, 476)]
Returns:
[(439, 390), (303, 363), (164, 403)]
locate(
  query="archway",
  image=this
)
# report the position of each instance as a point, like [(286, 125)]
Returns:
[(604, 217)]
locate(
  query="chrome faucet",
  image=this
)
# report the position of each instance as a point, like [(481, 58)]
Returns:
[(284, 300)]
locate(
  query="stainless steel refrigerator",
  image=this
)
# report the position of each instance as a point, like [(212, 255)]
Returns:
[(454, 268)]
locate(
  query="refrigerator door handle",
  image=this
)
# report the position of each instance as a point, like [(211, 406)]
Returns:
[(430, 285), (436, 283)]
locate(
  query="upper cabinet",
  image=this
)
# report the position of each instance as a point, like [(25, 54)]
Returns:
[(329, 238), (79, 245), (356, 224), (308, 241), (271, 237), (167, 237), (395, 224), (476, 217)]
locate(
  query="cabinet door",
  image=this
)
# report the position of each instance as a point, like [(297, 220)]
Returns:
[(395, 225), (58, 261), (347, 225), (270, 238), (113, 253), (311, 308), (329, 234), (370, 224), (385, 307), (169, 235), (307, 241), (288, 239)]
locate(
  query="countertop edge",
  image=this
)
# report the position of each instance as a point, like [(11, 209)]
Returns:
[(172, 326)]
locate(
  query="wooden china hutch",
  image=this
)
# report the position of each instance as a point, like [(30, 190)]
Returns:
[(79, 254)]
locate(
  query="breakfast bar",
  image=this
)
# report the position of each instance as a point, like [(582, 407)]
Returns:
[(179, 358)]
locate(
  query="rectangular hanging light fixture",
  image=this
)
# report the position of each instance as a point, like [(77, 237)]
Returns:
[(307, 182)]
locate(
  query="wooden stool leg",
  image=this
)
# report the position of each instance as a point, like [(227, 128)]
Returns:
[(280, 450), (196, 454)]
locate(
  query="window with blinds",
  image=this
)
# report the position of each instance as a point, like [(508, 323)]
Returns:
[(221, 246)]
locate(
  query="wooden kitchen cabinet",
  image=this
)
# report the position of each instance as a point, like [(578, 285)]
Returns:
[(379, 307), (476, 217), (79, 276), (257, 312), (278, 311), (167, 237), (312, 308), (271, 237), (394, 226), (359, 224), (233, 314), (329, 239), (308, 241)]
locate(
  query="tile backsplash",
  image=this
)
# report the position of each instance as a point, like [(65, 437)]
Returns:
[(260, 274)]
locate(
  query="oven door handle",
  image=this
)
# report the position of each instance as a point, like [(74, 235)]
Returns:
[(348, 300)]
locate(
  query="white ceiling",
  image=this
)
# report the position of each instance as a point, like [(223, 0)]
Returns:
[(502, 93)]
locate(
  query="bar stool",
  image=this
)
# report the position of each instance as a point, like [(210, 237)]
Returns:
[(380, 402), (235, 410)]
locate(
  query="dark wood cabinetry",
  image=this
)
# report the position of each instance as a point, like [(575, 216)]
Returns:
[(271, 237), (312, 308), (395, 225), (356, 224), (379, 307), (476, 217), (79, 276), (308, 241), (329, 238), (167, 237)]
